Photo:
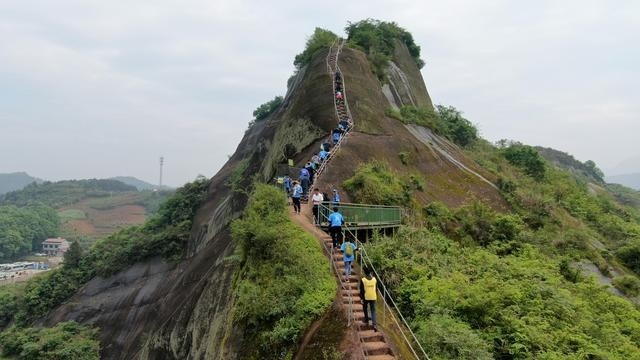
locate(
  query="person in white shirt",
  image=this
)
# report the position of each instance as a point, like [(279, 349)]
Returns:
[(316, 200)]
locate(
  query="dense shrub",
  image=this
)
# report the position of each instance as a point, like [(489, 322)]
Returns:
[(266, 109), (377, 39), (23, 229), (445, 121), (448, 338), (375, 183), (284, 284), (460, 130), (526, 158), (65, 341), (513, 307), (320, 39), (630, 256), (629, 285)]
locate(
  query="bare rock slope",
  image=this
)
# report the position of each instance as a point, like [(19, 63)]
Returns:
[(156, 310)]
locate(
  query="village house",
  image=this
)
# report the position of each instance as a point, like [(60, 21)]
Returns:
[(55, 246)]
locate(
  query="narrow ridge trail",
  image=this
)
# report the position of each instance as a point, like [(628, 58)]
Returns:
[(374, 344)]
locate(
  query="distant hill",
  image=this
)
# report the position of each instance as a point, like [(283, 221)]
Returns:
[(15, 181), (587, 170), (60, 193), (89, 209), (630, 180), (139, 184)]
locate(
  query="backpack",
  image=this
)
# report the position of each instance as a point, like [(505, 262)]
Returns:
[(348, 250)]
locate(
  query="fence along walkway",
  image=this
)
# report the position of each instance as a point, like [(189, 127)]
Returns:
[(361, 216)]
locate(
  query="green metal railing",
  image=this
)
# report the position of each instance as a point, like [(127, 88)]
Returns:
[(361, 216)]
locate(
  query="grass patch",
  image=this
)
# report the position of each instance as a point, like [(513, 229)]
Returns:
[(71, 214)]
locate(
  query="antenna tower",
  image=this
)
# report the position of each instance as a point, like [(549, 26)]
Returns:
[(161, 165)]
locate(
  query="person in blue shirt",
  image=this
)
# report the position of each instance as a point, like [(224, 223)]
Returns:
[(304, 180), (349, 250), (336, 197), (295, 197), (323, 155), (287, 185), (335, 227)]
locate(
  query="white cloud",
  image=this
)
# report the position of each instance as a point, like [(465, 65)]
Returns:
[(105, 87)]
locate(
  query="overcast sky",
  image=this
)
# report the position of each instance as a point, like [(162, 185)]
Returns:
[(104, 88)]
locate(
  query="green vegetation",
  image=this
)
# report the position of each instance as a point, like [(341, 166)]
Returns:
[(320, 39), (375, 183), (479, 284), (71, 214), (445, 120), (527, 158), (284, 283), (15, 181), (58, 194), (237, 177), (405, 157), (266, 109), (587, 171), (65, 341), (10, 295), (629, 285), (165, 234), (378, 40), (477, 302), (625, 195), (23, 229)]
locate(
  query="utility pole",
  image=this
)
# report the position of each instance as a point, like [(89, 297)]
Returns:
[(161, 165)]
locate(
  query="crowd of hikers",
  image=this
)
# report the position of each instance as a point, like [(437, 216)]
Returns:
[(298, 190)]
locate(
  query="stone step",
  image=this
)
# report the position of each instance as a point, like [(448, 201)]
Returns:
[(377, 348), (353, 292), (370, 336), (354, 300), (381, 357)]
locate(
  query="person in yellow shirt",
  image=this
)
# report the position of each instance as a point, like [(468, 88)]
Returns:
[(368, 294)]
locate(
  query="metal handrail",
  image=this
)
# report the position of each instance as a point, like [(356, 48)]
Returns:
[(386, 294)]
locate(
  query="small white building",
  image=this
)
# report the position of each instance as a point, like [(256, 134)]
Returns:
[(55, 246)]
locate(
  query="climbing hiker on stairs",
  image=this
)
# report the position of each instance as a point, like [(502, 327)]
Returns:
[(369, 296), (335, 227), (349, 250)]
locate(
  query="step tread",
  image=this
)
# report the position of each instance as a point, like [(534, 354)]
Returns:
[(381, 357)]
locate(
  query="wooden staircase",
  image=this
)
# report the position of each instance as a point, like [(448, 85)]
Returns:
[(374, 343)]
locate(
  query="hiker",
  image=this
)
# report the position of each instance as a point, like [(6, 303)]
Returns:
[(324, 155), (348, 249), (336, 197), (339, 95), (286, 183), (315, 159), (344, 125), (368, 285), (336, 134), (338, 77), (316, 200), (311, 171), (326, 146), (304, 180), (295, 197), (335, 226)]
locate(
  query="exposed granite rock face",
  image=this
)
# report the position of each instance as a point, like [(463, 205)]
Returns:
[(406, 85), (157, 310)]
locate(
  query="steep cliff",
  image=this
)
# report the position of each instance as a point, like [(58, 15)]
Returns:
[(160, 310)]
